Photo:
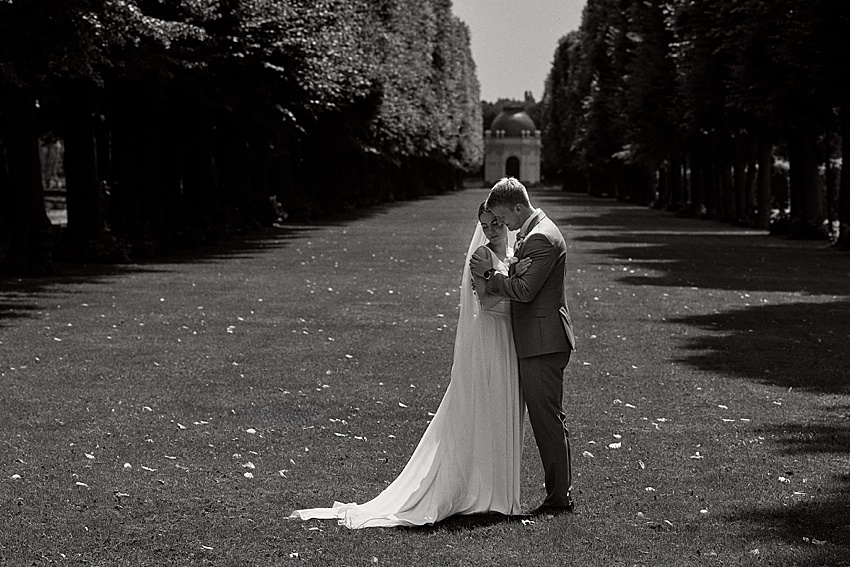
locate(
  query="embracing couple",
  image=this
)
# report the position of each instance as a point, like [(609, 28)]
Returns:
[(513, 342)]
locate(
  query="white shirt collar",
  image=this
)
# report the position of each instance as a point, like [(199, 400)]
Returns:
[(524, 228)]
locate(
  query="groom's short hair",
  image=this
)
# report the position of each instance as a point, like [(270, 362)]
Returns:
[(507, 192)]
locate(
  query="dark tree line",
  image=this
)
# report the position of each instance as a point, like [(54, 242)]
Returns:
[(181, 120), (699, 107)]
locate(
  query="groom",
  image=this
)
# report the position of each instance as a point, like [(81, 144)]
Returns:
[(542, 329)]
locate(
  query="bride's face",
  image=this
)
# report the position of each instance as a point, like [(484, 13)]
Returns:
[(495, 231)]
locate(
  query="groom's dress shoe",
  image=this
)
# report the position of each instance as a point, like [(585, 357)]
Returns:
[(545, 510)]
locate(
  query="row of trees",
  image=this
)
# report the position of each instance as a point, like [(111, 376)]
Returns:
[(697, 106), (180, 120)]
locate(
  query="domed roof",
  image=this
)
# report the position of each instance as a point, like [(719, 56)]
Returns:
[(513, 120)]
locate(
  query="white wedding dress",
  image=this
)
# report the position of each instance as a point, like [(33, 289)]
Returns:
[(468, 460)]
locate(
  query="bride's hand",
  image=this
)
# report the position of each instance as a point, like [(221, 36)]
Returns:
[(522, 266)]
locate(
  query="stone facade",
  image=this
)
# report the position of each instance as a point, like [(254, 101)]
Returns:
[(512, 147)]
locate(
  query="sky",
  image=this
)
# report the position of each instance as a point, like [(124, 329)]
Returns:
[(514, 41)]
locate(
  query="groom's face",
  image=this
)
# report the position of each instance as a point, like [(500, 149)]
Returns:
[(508, 216)]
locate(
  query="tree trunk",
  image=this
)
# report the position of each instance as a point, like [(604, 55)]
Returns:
[(84, 199), (727, 193), (765, 174), (739, 164), (29, 228), (804, 178), (675, 200), (844, 183), (123, 203)]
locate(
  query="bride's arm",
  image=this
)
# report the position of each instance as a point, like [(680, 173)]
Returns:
[(485, 299)]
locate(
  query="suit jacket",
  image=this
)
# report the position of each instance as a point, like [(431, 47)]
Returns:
[(539, 313)]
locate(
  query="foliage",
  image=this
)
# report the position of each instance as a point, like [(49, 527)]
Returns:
[(697, 94), (250, 95)]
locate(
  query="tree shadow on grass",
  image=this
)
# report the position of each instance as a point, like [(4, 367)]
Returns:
[(22, 297), (817, 524), (728, 261), (800, 345)]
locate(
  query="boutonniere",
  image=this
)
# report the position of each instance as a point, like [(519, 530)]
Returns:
[(511, 260)]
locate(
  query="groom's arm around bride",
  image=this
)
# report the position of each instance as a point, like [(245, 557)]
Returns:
[(542, 330)]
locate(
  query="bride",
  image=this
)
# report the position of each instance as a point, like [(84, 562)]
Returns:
[(468, 460)]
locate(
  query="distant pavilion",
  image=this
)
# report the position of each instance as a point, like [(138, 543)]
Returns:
[(512, 147)]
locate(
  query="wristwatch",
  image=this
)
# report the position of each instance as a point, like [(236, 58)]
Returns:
[(489, 273)]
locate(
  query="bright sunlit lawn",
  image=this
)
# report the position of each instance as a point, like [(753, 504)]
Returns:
[(175, 413)]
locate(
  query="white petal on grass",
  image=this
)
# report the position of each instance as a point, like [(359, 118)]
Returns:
[(170, 458), (15, 477), (89, 456), (144, 468), (784, 480), (180, 426), (649, 489), (721, 406), (251, 430), (208, 548), (83, 484), (340, 434), (616, 445), (128, 466), (617, 436), (696, 456), (401, 405), (588, 454), (248, 475)]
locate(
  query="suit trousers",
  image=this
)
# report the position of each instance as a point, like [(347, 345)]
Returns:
[(541, 379)]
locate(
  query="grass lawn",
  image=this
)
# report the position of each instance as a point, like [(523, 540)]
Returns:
[(174, 413)]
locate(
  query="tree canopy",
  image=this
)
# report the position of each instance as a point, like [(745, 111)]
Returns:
[(181, 120), (695, 106)]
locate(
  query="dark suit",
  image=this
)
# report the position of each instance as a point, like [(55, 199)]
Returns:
[(544, 338)]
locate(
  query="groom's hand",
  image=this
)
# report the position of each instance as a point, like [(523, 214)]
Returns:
[(478, 265)]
